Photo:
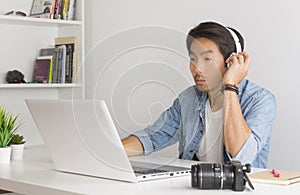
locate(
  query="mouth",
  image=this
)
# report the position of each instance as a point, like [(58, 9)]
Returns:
[(199, 81)]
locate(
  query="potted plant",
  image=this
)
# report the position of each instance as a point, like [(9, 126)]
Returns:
[(17, 143), (8, 126)]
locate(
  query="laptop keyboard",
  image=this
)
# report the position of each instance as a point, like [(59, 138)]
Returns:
[(145, 171)]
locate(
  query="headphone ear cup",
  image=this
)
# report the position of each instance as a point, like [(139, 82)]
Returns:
[(236, 39)]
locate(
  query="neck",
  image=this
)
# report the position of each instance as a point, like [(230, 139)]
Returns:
[(216, 98)]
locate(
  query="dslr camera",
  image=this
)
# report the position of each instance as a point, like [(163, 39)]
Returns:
[(221, 176)]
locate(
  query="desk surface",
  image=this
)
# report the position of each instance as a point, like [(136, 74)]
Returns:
[(35, 174)]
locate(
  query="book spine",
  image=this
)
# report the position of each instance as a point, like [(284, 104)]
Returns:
[(53, 6), (56, 67), (62, 3), (71, 10), (65, 10), (71, 48), (57, 9), (50, 71), (74, 64), (59, 65), (68, 64), (63, 76), (63, 63)]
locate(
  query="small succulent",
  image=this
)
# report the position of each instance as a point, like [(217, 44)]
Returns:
[(17, 139)]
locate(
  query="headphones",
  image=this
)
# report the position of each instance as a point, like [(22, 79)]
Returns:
[(237, 43), (236, 40)]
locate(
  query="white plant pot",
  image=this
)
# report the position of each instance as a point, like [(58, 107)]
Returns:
[(17, 151), (5, 155)]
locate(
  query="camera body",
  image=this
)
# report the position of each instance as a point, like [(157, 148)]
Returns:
[(220, 176)]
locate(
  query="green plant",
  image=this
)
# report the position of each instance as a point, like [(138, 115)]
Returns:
[(17, 139), (8, 126)]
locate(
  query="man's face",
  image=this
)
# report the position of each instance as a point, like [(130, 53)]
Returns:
[(206, 64)]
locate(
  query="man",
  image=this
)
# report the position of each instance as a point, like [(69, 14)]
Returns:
[(223, 116)]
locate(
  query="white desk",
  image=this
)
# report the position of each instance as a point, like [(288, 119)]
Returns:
[(35, 174)]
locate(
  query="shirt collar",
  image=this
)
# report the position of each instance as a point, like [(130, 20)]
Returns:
[(202, 97)]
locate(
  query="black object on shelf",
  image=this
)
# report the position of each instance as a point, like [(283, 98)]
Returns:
[(15, 76)]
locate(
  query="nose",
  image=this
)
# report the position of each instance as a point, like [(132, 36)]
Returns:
[(197, 67)]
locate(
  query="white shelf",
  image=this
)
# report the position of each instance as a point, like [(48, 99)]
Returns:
[(36, 21), (54, 85)]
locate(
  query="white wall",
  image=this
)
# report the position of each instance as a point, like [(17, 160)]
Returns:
[(134, 84)]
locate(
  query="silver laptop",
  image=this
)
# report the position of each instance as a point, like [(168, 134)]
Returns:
[(82, 138)]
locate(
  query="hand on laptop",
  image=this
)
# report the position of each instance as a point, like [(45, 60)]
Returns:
[(132, 146)]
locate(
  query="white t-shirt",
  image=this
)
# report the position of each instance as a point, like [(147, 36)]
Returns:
[(211, 146)]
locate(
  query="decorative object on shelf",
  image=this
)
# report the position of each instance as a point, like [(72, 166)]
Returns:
[(15, 13), (8, 126), (17, 143), (42, 8), (15, 76)]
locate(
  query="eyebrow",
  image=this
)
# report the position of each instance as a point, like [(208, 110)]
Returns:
[(204, 52)]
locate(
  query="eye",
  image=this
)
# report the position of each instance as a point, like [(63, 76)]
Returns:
[(192, 59), (207, 58)]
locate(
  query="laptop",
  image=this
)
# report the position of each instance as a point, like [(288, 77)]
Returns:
[(82, 138)]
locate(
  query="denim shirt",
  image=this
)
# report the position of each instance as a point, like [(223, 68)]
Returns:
[(184, 121)]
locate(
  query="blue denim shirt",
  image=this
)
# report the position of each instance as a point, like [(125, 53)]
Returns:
[(184, 122)]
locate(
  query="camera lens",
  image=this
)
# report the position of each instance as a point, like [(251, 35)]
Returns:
[(194, 174), (212, 176)]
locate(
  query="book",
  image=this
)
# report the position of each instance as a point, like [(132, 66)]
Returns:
[(65, 9), (57, 11), (267, 177), (71, 10), (42, 8), (70, 57), (62, 49), (42, 72), (69, 60), (47, 51), (54, 52)]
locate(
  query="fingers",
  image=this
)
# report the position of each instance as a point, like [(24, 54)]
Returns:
[(242, 58), (247, 58), (232, 59)]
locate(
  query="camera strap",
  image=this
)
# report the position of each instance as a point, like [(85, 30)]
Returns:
[(249, 182)]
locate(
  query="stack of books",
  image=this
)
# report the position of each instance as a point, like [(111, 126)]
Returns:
[(54, 9), (57, 64)]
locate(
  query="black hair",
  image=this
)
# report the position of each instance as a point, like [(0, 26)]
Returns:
[(217, 33)]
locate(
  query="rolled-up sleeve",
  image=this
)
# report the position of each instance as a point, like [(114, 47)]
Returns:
[(163, 132), (259, 115)]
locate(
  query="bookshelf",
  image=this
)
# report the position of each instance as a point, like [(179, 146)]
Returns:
[(54, 85), (21, 40), (36, 21), (37, 33)]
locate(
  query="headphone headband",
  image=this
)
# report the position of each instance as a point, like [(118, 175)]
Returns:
[(236, 40)]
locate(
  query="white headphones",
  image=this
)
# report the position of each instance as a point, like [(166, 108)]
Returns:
[(236, 40)]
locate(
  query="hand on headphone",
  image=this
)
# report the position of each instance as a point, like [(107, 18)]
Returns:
[(238, 68)]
